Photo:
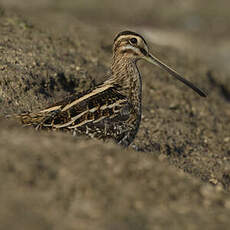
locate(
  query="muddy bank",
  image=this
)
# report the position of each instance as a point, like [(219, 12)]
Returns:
[(55, 181)]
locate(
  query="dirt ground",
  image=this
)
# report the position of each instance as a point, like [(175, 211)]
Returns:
[(178, 175)]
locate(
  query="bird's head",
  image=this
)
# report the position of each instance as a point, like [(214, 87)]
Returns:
[(130, 45), (133, 46)]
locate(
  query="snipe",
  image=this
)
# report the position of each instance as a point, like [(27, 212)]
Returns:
[(112, 110)]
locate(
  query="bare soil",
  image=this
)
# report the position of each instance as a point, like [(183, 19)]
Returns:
[(178, 174)]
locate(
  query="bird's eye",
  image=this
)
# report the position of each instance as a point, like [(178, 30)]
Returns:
[(133, 40)]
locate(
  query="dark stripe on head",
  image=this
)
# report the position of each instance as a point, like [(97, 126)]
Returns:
[(143, 51), (129, 33)]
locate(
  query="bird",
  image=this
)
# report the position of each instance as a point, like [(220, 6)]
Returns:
[(112, 109)]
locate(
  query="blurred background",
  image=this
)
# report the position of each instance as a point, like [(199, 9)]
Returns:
[(199, 27)]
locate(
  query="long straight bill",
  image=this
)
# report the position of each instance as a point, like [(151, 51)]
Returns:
[(157, 62)]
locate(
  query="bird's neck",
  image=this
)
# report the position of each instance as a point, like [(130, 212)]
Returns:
[(126, 78), (125, 74)]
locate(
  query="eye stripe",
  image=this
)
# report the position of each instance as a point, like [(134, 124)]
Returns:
[(143, 51)]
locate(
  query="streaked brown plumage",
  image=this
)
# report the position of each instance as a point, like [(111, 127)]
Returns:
[(112, 110)]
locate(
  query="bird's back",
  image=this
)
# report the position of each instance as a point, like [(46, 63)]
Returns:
[(102, 113)]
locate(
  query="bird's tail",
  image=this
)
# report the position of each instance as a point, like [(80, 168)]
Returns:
[(28, 119)]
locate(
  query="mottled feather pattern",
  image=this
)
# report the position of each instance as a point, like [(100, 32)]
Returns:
[(97, 116)]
